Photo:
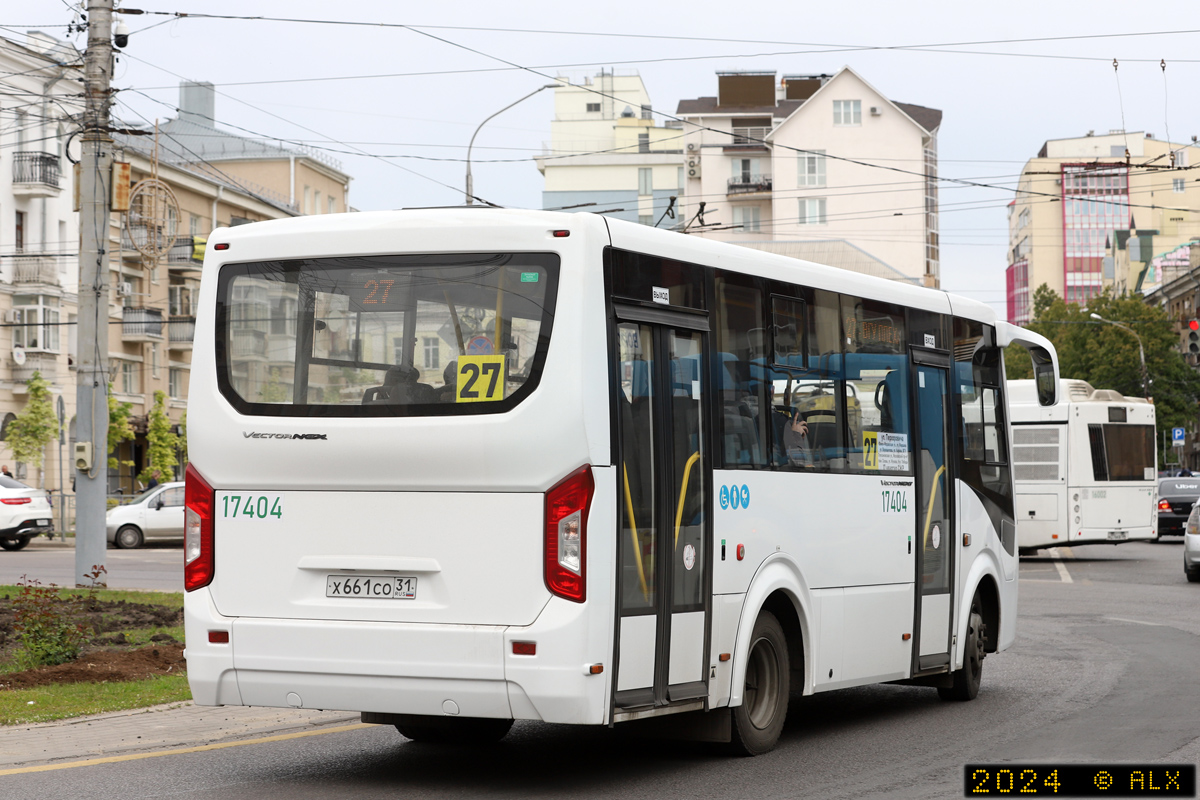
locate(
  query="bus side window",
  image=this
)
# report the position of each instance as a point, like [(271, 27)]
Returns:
[(741, 372)]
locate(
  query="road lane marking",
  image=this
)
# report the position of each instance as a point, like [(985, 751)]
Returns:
[(183, 750), (1060, 566), (1138, 622)]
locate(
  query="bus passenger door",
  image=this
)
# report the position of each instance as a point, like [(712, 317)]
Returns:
[(935, 536), (663, 584)]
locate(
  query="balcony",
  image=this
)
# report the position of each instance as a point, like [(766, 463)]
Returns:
[(180, 332), (36, 175), (142, 324), (45, 363), (749, 184), (747, 139), (247, 343), (187, 251), (41, 269)]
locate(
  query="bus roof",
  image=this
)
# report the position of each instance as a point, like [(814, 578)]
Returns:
[(505, 223), (1023, 392)]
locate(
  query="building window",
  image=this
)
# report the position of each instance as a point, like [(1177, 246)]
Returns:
[(1177, 185), (431, 352), (847, 112), (647, 112), (679, 176), (332, 205), (645, 181), (812, 168), (646, 219), (748, 217), (128, 378), (307, 199), (19, 233), (812, 211), (175, 383), (643, 142), (154, 360), (38, 317), (316, 202), (593, 108)]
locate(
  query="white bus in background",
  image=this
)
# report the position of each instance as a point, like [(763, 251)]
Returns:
[(456, 467), (1085, 469)]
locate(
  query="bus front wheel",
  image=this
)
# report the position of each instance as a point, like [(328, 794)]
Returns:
[(758, 721), (455, 730), (966, 680)]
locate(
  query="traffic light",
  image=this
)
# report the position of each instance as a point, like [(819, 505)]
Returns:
[(1194, 336)]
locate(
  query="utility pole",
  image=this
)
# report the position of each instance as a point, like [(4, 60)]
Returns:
[(91, 394)]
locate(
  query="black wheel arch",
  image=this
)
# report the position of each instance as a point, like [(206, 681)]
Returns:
[(784, 607), (989, 600)]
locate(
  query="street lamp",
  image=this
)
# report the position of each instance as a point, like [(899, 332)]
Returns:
[(470, 183), (1141, 350)]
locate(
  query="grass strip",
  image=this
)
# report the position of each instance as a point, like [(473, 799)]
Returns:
[(169, 599), (60, 701)]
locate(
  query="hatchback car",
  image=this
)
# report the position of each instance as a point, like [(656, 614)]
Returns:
[(1176, 496), (1191, 546), (155, 514), (25, 512)]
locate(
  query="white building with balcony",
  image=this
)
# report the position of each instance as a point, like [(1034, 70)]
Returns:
[(820, 167), (606, 151), (39, 230)]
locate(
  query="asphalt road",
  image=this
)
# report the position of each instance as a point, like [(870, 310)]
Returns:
[(1104, 669), (156, 566)]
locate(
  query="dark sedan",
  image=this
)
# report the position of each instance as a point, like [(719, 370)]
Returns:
[(1176, 496)]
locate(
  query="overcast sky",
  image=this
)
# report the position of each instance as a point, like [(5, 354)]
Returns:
[(389, 102)]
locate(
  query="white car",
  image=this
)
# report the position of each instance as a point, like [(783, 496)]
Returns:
[(154, 514), (25, 512), (1191, 546)]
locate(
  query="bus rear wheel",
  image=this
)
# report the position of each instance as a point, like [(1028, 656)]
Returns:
[(758, 721), (455, 730), (967, 679)]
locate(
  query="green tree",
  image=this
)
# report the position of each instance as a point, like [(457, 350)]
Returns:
[(183, 449), (162, 445), (36, 426), (1106, 356), (119, 428)]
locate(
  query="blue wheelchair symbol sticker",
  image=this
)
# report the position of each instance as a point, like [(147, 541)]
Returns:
[(724, 497)]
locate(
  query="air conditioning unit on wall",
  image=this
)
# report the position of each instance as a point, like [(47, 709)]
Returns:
[(876, 111), (693, 166), (124, 289)]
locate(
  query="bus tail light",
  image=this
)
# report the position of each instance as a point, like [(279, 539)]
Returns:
[(567, 505), (199, 501)]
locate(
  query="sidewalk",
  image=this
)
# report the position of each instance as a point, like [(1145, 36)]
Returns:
[(157, 727)]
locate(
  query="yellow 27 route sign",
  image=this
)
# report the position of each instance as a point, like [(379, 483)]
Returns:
[(480, 379)]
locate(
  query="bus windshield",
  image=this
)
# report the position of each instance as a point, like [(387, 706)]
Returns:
[(384, 335)]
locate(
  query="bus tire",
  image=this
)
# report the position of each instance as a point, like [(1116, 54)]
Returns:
[(758, 721), (456, 730), (967, 679)]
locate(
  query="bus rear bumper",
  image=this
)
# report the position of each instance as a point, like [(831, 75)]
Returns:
[(397, 668)]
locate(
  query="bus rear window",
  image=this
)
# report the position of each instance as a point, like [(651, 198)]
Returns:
[(384, 335), (1122, 452)]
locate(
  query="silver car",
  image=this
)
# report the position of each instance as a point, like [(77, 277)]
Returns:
[(1191, 546), (154, 514)]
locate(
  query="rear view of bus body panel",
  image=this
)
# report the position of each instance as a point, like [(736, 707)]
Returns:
[(1108, 510), (455, 502)]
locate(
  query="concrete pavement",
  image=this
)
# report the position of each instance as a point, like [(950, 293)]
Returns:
[(176, 725)]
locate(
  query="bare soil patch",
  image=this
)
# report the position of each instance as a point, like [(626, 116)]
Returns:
[(110, 656)]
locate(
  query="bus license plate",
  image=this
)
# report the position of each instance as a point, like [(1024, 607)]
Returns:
[(1117, 536), (379, 587)]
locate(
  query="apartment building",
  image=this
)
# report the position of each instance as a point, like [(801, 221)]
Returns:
[(607, 153), (1111, 210), (39, 232), (821, 167)]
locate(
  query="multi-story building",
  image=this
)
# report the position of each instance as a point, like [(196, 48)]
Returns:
[(216, 179), (39, 231), (822, 167), (1094, 212), (606, 152)]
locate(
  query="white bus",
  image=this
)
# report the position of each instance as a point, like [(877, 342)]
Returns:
[(1085, 469), (456, 467)]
